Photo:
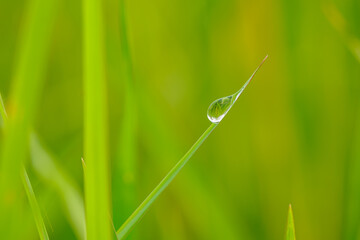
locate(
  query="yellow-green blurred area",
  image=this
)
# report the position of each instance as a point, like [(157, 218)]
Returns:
[(292, 137)]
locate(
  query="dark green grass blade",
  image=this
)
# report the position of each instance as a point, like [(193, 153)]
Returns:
[(290, 231), (97, 193)]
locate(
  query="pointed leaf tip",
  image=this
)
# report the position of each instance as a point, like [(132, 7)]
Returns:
[(290, 232)]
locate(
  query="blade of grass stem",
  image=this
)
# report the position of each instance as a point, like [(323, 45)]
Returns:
[(45, 166), (124, 192), (290, 232), (2, 109), (28, 189), (144, 206), (140, 211), (165, 147), (97, 203), (34, 206), (110, 216), (28, 81), (72, 201)]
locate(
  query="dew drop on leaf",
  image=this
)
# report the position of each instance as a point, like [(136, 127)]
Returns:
[(220, 107)]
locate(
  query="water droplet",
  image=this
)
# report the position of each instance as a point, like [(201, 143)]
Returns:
[(220, 107)]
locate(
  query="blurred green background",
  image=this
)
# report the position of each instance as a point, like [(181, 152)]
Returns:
[(293, 136)]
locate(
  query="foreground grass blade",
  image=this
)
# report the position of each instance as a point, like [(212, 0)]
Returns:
[(97, 202), (28, 188), (35, 207), (166, 147), (140, 211), (28, 81), (290, 231)]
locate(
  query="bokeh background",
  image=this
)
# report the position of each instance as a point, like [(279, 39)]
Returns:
[(292, 137)]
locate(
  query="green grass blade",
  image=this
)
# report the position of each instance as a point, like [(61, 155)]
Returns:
[(2, 109), (28, 81), (166, 147), (45, 166), (290, 232), (124, 178), (28, 189), (97, 203), (72, 201), (34, 206), (140, 211), (83, 164)]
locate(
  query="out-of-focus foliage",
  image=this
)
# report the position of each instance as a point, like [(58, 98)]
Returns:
[(293, 136)]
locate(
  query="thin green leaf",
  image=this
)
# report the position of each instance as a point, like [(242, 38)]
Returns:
[(29, 190), (164, 148), (34, 206), (140, 211), (290, 232), (72, 201), (26, 90), (2, 109), (45, 166), (144, 206)]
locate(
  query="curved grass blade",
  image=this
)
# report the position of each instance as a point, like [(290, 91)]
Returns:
[(290, 231), (144, 206), (28, 189), (34, 206), (166, 147), (72, 201), (45, 166)]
